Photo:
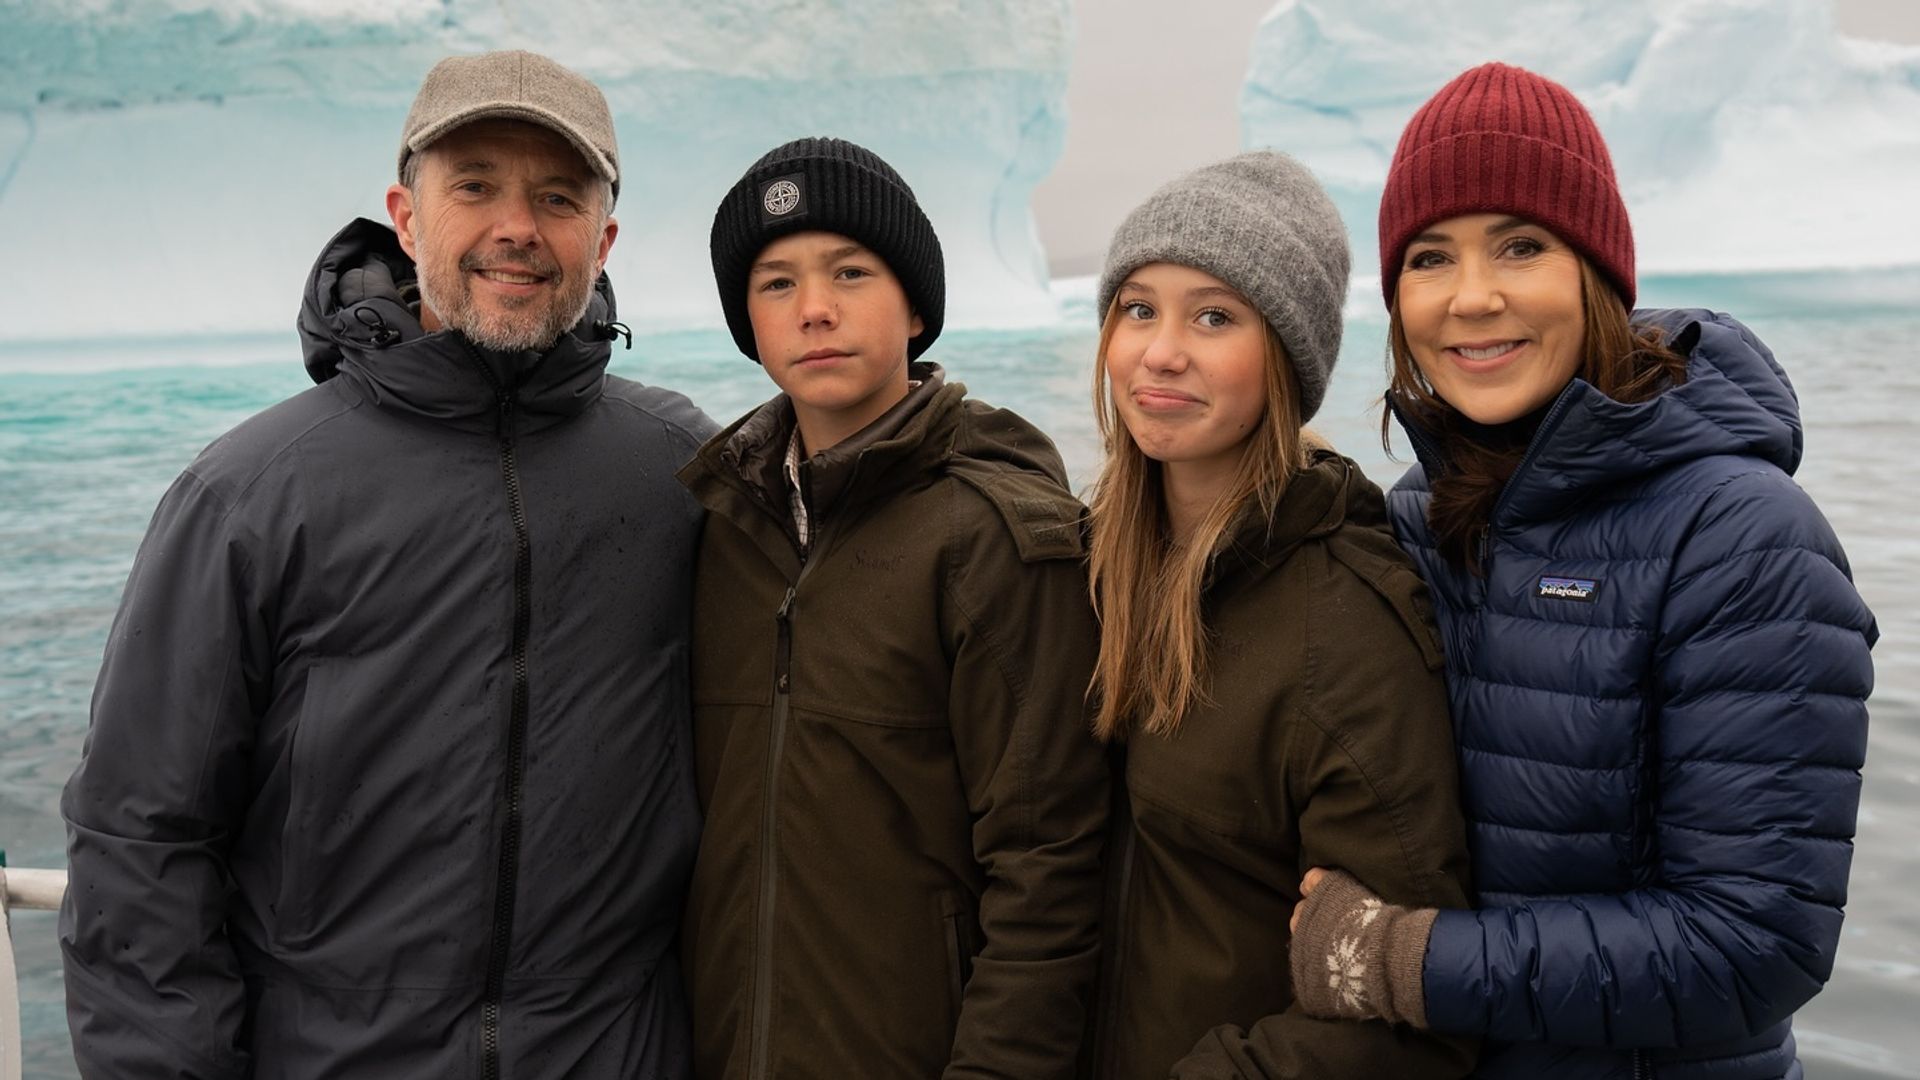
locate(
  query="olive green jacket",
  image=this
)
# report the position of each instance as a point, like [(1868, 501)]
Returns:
[(1326, 742), (905, 809)]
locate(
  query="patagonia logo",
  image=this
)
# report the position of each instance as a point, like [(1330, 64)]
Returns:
[(1569, 588), (781, 198)]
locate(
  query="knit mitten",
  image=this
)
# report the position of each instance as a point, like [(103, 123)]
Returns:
[(1358, 958)]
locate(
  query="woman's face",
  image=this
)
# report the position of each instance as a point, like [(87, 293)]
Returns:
[(1491, 308), (1186, 365)]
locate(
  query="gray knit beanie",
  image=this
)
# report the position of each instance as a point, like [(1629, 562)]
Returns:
[(1261, 223)]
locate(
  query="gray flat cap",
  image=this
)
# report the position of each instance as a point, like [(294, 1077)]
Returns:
[(514, 85)]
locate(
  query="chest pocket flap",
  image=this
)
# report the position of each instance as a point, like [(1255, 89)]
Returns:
[(1045, 521)]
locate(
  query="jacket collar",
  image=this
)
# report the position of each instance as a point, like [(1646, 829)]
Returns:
[(906, 440), (358, 321), (1735, 400), (1316, 503), (904, 435)]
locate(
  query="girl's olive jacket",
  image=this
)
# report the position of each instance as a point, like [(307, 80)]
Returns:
[(904, 804), (1325, 742)]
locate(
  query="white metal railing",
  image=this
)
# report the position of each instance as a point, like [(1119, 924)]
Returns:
[(32, 890)]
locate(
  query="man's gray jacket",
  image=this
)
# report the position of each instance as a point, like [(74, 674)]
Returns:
[(388, 773)]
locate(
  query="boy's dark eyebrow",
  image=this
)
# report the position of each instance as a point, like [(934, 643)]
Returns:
[(788, 265)]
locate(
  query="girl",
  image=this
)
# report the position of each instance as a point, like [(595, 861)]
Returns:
[(1657, 660), (1267, 659)]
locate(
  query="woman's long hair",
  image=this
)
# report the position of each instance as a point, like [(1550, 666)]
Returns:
[(1626, 366), (1147, 587)]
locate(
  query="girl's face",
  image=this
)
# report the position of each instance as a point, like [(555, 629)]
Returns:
[(1186, 365), (1490, 305)]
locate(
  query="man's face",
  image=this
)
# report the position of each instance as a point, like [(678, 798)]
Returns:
[(507, 225)]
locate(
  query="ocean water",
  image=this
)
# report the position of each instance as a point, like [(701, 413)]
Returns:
[(92, 432)]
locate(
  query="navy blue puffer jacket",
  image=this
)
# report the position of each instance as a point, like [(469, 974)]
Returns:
[(1659, 691)]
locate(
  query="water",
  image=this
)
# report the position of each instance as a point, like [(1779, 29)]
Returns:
[(91, 434)]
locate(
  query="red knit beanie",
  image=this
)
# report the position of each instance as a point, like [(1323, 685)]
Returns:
[(1500, 139)]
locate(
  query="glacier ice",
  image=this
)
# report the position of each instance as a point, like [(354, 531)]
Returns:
[(171, 167), (1747, 134)]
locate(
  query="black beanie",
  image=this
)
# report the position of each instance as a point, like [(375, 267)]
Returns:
[(834, 186)]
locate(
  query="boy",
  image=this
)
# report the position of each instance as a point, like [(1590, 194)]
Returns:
[(904, 805)]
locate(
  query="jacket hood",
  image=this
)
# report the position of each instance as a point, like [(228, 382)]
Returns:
[(1319, 499), (1736, 400), (358, 317), (933, 424)]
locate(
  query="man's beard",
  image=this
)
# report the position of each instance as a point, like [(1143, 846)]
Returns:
[(511, 324)]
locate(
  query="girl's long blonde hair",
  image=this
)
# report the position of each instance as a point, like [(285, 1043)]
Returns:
[(1147, 589)]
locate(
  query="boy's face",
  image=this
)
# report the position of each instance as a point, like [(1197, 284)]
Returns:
[(831, 323)]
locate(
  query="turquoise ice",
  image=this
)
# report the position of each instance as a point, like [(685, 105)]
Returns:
[(171, 167)]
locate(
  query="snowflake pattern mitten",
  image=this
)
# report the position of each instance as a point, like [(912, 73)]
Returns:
[(1358, 958)]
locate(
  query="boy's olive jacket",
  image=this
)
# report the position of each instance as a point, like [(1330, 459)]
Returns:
[(899, 874)]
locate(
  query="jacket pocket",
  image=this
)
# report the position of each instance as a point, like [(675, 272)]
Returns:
[(1641, 852), (299, 876), (389, 821), (956, 919)]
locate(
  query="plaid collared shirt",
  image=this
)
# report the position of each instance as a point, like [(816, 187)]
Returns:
[(795, 500)]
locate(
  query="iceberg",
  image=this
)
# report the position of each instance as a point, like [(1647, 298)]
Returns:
[(169, 168), (1748, 135)]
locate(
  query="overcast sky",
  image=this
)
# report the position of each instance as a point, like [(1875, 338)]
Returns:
[(1152, 95)]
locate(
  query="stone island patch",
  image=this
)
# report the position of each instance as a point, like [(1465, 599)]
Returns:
[(783, 198)]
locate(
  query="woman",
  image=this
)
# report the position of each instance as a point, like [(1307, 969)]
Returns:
[(1657, 661), (1267, 660)]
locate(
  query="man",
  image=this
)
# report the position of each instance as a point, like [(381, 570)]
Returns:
[(899, 875), (388, 772)]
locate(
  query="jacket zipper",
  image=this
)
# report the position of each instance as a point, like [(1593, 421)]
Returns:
[(507, 877), (776, 743), (1110, 1007), (1540, 436), (757, 1066), (1641, 1070), (1426, 450)]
